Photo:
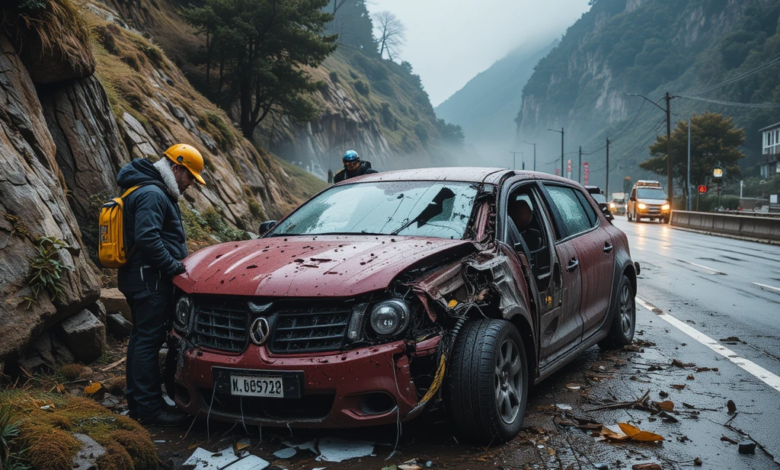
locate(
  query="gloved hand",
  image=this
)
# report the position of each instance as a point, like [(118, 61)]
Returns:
[(178, 269)]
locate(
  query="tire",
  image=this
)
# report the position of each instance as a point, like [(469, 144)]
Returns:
[(487, 388), (664, 220), (622, 317), (628, 216)]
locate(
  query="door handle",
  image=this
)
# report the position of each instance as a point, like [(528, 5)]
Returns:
[(573, 264), (607, 247)]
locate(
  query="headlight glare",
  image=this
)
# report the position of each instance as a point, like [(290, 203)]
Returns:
[(184, 307), (390, 317), (642, 206), (665, 207)]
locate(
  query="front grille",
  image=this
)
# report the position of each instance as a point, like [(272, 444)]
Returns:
[(221, 324), (310, 330), (653, 209)]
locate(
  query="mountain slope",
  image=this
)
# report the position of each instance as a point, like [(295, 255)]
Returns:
[(650, 47), (487, 105)]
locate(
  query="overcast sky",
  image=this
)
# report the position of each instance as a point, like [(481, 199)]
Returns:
[(450, 41)]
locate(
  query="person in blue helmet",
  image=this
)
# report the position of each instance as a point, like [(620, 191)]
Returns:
[(353, 167)]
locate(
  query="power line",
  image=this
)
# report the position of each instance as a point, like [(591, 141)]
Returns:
[(771, 63), (620, 134), (733, 103), (636, 147)]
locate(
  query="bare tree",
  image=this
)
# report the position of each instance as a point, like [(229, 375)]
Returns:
[(391, 33)]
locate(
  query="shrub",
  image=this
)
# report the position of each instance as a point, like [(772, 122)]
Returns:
[(47, 269), (353, 74), (256, 209), (225, 136), (220, 228), (9, 431), (362, 87), (334, 77)]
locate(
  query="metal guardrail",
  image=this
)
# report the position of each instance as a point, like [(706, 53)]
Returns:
[(761, 228), (771, 215)]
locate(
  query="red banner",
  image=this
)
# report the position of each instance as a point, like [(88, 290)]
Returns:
[(557, 172), (568, 169), (585, 173)]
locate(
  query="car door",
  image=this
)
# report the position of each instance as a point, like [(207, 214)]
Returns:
[(557, 323), (569, 333), (595, 252)]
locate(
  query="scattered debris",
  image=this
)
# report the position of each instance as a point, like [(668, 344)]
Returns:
[(251, 462), (573, 386), (285, 453), (563, 407), (601, 466), (646, 466), (93, 388), (728, 439), (333, 449), (680, 364), (747, 447), (666, 405), (663, 394), (697, 462), (732, 407), (89, 453), (678, 386), (203, 459), (731, 339), (637, 434)]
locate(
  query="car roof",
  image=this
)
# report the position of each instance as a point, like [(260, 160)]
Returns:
[(465, 174)]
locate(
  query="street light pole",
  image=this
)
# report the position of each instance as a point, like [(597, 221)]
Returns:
[(514, 159), (688, 187), (579, 167), (606, 189), (534, 144), (668, 112), (562, 162)]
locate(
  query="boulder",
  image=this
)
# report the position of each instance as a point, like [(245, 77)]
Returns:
[(65, 52), (39, 357), (99, 310), (115, 302), (118, 326), (84, 335), (61, 353)]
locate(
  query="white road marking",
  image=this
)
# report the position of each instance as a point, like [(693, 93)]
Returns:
[(703, 267), (749, 366), (764, 286)]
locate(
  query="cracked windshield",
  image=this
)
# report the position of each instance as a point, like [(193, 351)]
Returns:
[(389, 234), (420, 209)]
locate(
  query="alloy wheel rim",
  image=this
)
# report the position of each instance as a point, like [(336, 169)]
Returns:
[(508, 381), (626, 310)]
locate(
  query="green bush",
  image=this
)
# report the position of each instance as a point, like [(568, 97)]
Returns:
[(334, 77), (47, 269), (221, 229), (256, 209), (9, 431), (362, 87)]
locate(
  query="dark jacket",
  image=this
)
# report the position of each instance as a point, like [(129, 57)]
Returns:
[(363, 169), (152, 221)]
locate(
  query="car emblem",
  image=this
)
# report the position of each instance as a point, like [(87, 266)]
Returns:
[(259, 331)]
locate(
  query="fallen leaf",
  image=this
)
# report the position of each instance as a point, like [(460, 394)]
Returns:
[(728, 439), (678, 387), (93, 388), (681, 364), (731, 406), (637, 434), (610, 434), (690, 377), (666, 405), (731, 339)]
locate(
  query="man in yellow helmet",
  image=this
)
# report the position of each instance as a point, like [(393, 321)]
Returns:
[(155, 237)]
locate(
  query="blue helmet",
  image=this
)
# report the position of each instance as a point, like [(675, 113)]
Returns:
[(351, 156)]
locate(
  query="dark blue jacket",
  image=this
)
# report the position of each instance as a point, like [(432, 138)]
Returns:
[(152, 221), (363, 169)]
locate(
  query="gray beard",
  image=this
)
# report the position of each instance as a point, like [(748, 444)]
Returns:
[(168, 177)]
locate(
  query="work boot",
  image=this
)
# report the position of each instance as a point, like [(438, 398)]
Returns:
[(166, 417)]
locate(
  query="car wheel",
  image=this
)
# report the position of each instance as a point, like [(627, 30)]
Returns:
[(623, 323), (628, 216), (488, 381)]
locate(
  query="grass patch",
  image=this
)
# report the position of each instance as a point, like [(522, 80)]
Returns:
[(49, 434), (47, 269)]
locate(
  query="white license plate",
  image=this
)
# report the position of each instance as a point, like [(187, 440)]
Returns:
[(253, 386)]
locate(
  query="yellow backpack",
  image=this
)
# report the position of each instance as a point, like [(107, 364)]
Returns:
[(111, 236)]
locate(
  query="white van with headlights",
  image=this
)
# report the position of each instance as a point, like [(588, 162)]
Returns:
[(648, 201)]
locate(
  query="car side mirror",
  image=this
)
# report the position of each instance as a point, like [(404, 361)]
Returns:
[(605, 210), (266, 226)]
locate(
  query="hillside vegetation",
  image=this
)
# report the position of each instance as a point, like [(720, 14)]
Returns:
[(650, 47)]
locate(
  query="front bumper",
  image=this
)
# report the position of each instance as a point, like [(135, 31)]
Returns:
[(361, 387), (651, 211)]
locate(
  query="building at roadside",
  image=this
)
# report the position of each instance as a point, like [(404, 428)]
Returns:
[(770, 151)]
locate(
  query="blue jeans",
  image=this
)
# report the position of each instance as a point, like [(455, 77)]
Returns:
[(150, 296)]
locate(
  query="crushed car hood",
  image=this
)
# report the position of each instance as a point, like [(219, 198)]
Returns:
[(323, 266)]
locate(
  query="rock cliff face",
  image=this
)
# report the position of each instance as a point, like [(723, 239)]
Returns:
[(646, 47), (32, 205), (77, 106)]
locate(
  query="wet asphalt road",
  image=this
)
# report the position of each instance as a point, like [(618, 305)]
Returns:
[(711, 284)]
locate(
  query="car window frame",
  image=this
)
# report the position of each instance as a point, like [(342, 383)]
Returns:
[(557, 217)]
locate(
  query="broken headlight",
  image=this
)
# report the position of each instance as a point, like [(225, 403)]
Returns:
[(184, 308), (390, 317)]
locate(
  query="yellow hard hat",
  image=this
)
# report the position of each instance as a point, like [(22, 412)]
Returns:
[(188, 157)]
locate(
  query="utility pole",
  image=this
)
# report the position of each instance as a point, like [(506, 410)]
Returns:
[(688, 187), (670, 177), (606, 186), (668, 111), (514, 159), (534, 144), (563, 168), (579, 167)]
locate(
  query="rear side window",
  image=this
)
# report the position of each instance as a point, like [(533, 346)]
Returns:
[(592, 217), (574, 218)]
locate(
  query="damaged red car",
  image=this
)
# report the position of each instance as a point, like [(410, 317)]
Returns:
[(397, 292)]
